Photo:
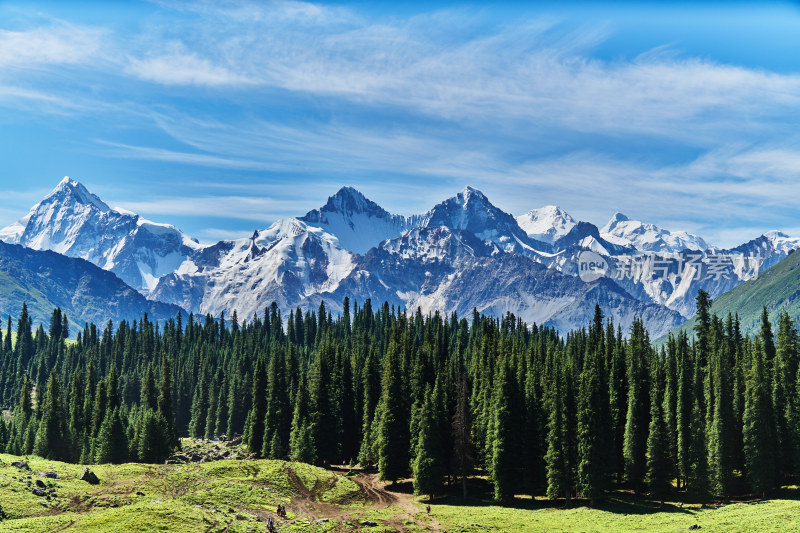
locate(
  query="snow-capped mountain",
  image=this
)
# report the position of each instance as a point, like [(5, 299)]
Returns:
[(463, 253), (470, 210), (649, 237), (546, 224), (357, 222), (284, 263), (74, 222), (586, 236), (449, 270)]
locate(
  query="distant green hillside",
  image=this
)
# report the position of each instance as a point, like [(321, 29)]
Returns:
[(778, 288), (46, 280)]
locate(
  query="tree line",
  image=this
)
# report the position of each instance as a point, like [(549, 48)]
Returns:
[(434, 397)]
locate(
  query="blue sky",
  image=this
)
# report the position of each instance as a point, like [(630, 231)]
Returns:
[(222, 117)]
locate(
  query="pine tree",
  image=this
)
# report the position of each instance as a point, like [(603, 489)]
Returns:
[(254, 434), (394, 438), (659, 460), (53, 438), (759, 431), (428, 468), (556, 459), (698, 478), (301, 441), (636, 423), (594, 421), (197, 424), (149, 394), (152, 443), (505, 452), (720, 432), (165, 401), (112, 442), (278, 416), (461, 436)]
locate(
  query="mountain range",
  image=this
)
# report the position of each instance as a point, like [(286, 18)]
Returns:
[(463, 253), (45, 280), (778, 289)]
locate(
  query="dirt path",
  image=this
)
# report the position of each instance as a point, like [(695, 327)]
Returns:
[(379, 497), (308, 505)]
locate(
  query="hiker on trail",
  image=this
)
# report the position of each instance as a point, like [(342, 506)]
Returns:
[(428, 509)]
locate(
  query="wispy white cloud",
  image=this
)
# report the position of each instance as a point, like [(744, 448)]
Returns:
[(58, 43), (264, 210), (178, 66), (523, 109), (529, 73)]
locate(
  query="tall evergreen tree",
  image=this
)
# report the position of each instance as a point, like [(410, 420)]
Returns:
[(556, 459), (394, 438), (53, 439), (428, 465), (659, 460), (759, 432), (594, 420)]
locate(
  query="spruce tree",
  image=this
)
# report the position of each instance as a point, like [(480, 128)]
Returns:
[(254, 434), (53, 439), (759, 431), (659, 460), (301, 438), (720, 432), (393, 430), (636, 423), (505, 465), (112, 442), (594, 421), (427, 468), (556, 459), (165, 402)]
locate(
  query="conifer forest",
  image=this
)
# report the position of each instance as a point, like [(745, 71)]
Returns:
[(436, 398)]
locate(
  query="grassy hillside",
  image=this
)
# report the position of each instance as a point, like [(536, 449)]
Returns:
[(778, 288), (46, 280), (238, 496)]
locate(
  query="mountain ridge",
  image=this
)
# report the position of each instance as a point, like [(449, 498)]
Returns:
[(300, 261)]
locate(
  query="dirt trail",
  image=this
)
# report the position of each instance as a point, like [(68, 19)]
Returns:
[(308, 504), (379, 497)]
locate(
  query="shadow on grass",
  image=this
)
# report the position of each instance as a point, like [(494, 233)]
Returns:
[(618, 502)]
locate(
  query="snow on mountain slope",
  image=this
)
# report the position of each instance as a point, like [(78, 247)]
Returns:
[(441, 269), (284, 263), (463, 253), (546, 224), (782, 242), (357, 222), (74, 222), (649, 237), (470, 210)]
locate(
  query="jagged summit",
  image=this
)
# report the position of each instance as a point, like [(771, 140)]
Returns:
[(358, 222), (617, 217), (347, 201), (74, 222), (547, 224), (468, 193), (648, 237), (472, 211), (70, 190)]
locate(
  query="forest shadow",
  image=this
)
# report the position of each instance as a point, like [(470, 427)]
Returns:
[(480, 494)]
